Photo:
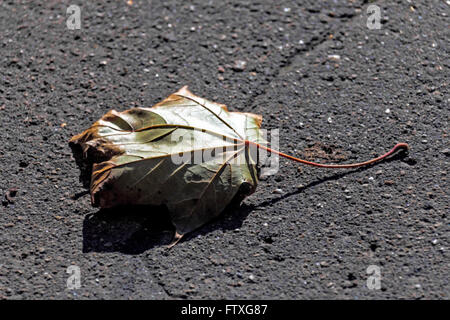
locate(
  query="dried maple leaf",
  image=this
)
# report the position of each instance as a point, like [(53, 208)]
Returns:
[(135, 158), (187, 153)]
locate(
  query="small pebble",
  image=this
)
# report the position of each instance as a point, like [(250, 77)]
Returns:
[(169, 36), (278, 191), (239, 65), (334, 57)]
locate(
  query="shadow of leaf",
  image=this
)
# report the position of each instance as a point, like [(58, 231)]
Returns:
[(127, 229), (136, 229)]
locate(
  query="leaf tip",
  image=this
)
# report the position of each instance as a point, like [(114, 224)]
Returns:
[(184, 91), (176, 238)]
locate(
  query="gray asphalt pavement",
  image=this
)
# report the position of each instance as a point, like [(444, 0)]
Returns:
[(337, 90)]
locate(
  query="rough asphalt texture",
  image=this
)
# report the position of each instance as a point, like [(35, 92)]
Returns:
[(337, 90)]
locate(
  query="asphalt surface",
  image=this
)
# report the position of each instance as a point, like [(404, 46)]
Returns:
[(337, 91)]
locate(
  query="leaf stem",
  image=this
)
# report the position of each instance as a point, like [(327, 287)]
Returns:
[(398, 146)]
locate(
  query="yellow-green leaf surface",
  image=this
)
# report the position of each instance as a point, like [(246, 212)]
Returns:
[(185, 152)]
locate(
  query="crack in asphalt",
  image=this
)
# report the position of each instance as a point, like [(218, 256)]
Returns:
[(163, 287), (286, 67)]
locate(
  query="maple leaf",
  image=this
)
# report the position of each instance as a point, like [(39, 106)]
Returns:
[(149, 156), (187, 153)]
